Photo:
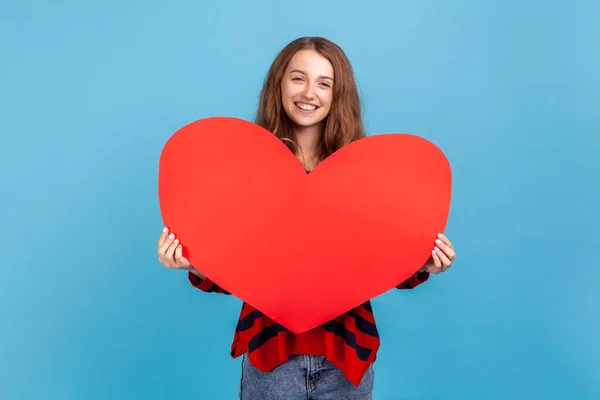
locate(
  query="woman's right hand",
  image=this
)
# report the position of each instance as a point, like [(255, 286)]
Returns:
[(170, 252)]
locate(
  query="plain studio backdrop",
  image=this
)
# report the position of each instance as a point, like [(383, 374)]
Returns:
[(91, 91)]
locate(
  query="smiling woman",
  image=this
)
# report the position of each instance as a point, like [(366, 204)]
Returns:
[(306, 94), (307, 89), (310, 101)]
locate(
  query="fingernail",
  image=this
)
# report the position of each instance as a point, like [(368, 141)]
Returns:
[(171, 236), (432, 251), (438, 241), (176, 241), (165, 229), (440, 235), (436, 249)]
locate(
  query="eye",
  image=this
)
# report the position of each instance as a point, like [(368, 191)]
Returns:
[(297, 78), (326, 84)]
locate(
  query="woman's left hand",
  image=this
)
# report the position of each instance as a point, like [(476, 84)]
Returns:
[(442, 256)]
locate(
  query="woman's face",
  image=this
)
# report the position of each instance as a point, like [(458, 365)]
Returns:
[(307, 88)]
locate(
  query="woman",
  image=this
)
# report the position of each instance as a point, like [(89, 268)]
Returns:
[(310, 101)]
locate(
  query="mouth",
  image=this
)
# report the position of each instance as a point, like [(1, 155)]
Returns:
[(306, 107)]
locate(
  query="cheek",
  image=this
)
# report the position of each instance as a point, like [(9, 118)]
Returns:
[(284, 92), (287, 93), (327, 100)]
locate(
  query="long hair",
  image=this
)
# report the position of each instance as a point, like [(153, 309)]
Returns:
[(344, 121)]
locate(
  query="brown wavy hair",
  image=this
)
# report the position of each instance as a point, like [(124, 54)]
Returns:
[(343, 124)]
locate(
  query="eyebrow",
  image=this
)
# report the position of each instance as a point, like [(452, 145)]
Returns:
[(304, 73)]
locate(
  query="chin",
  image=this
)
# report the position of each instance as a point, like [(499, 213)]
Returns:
[(306, 124)]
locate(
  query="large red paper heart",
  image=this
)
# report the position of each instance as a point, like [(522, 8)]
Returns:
[(303, 249)]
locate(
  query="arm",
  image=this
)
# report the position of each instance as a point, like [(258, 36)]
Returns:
[(170, 253), (201, 282), (441, 259), (414, 281)]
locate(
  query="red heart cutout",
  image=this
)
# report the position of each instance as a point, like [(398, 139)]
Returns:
[(303, 249)]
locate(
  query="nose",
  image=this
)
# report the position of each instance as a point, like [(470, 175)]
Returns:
[(309, 91)]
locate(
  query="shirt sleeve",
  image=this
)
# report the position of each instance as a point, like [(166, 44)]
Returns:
[(206, 285), (414, 281)]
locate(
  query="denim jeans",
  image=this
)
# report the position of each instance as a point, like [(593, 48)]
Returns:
[(303, 377)]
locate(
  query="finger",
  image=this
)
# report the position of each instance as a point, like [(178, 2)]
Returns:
[(162, 249), (436, 260), (180, 260), (437, 263), (445, 239), (163, 255), (447, 250), (170, 252), (163, 236), (443, 258)]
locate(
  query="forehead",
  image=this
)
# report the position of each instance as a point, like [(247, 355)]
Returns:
[(311, 62)]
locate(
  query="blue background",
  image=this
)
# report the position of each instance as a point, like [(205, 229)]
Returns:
[(90, 92)]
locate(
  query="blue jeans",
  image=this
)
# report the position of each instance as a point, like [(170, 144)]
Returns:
[(303, 377)]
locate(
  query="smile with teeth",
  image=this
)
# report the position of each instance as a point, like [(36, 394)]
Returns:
[(305, 106)]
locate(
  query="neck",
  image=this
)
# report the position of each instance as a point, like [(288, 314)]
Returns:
[(308, 139)]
